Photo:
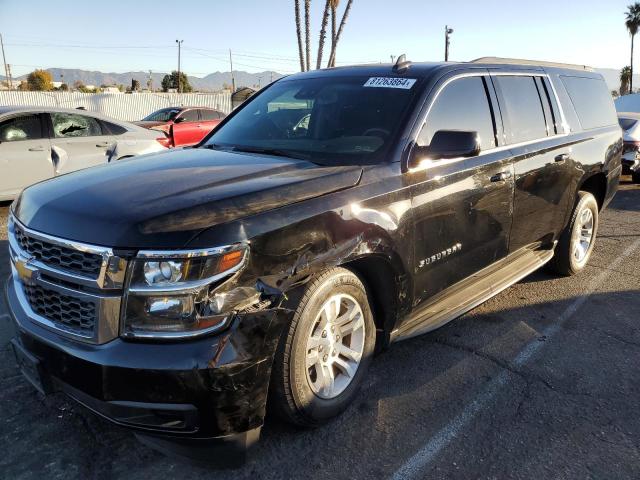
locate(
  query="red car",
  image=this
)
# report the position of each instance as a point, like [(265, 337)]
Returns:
[(183, 126)]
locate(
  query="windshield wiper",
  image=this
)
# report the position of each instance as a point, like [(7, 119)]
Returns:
[(269, 151)]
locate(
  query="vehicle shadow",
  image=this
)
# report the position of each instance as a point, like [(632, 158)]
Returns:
[(413, 387)]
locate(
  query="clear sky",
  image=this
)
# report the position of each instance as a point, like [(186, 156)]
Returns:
[(119, 36)]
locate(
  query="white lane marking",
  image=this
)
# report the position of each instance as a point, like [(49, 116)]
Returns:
[(413, 466)]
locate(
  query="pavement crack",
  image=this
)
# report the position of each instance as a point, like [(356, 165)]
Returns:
[(525, 375)]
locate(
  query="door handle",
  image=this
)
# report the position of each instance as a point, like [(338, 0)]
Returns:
[(36, 149), (102, 145), (562, 157), (500, 177)]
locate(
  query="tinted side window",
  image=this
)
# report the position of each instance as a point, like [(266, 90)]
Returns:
[(521, 105), (189, 115), (113, 129), (26, 127), (461, 105), (592, 101), (69, 125), (209, 115)]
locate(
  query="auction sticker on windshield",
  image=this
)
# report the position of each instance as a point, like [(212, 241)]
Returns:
[(390, 82)]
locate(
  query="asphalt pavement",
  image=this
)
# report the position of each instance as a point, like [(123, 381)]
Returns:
[(542, 381)]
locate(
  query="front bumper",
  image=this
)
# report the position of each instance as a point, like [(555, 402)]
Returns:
[(212, 389)]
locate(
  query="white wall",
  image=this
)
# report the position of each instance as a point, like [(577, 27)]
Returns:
[(129, 107)]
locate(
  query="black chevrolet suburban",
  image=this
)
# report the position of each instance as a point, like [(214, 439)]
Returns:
[(334, 213)]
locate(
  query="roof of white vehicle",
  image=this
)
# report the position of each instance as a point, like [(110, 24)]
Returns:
[(18, 109)]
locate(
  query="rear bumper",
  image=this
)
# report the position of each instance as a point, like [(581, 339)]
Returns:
[(206, 392)]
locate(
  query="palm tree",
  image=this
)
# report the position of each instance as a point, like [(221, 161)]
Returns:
[(299, 33), (625, 77), (632, 21), (336, 38), (323, 32), (307, 32)]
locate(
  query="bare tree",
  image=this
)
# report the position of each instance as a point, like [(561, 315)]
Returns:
[(323, 32), (336, 38), (299, 33)]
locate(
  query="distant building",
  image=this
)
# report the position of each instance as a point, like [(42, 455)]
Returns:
[(110, 90), (240, 95)]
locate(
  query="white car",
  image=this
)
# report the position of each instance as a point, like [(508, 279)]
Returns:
[(40, 143), (630, 124)]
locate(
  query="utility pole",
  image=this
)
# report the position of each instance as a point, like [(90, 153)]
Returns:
[(10, 80), (150, 82), (233, 79), (447, 32), (4, 60), (179, 42)]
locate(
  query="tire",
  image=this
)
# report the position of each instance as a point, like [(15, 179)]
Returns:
[(297, 394), (635, 177), (569, 257)]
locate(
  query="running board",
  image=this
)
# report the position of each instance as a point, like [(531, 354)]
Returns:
[(471, 292)]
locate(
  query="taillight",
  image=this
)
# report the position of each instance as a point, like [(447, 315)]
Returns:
[(165, 140)]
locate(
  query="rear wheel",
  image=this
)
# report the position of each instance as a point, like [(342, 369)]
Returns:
[(325, 353), (578, 239)]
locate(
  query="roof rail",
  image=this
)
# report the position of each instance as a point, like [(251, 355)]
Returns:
[(520, 61)]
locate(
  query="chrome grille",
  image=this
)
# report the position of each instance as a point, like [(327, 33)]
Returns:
[(59, 256), (69, 313), (70, 287)]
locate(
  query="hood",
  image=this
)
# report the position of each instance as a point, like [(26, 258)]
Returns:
[(148, 123), (163, 200)]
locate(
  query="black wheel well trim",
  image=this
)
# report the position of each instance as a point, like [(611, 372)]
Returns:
[(382, 283), (596, 184)]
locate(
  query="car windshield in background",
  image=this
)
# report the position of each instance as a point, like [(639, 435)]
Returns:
[(163, 115), (626, 123), (339, 120)]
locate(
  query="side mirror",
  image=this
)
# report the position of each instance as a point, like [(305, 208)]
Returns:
[(179, 120), (450, 144)]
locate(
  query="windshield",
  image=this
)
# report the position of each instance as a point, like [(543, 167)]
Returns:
[(626, 123), (163, 115), (335, 120)]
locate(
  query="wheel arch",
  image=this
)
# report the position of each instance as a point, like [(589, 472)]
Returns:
[(595, 184)]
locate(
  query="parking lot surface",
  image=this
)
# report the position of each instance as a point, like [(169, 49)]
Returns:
[(542, 381)]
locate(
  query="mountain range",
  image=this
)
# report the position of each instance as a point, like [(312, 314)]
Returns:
[(216, 81), (212, 82)]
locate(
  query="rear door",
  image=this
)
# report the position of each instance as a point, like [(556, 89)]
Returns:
[(25, 153), (462, 207), (209, 119), (541, 157), (78, 141), (186, 129)]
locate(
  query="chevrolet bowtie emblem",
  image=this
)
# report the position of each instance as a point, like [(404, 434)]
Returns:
[(24, 269)]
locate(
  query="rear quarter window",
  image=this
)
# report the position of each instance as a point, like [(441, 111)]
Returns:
[(591, 100), (626, 123)]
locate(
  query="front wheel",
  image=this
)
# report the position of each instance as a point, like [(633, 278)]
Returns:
[(325, 353), (578, 239)]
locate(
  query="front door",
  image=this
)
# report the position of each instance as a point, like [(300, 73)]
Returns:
[(78, 141), (462, 207), (25, 154)]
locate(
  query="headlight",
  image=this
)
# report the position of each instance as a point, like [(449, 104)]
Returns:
[(168, 293)]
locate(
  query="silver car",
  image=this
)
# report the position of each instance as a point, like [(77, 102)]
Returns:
[(40, 143)]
